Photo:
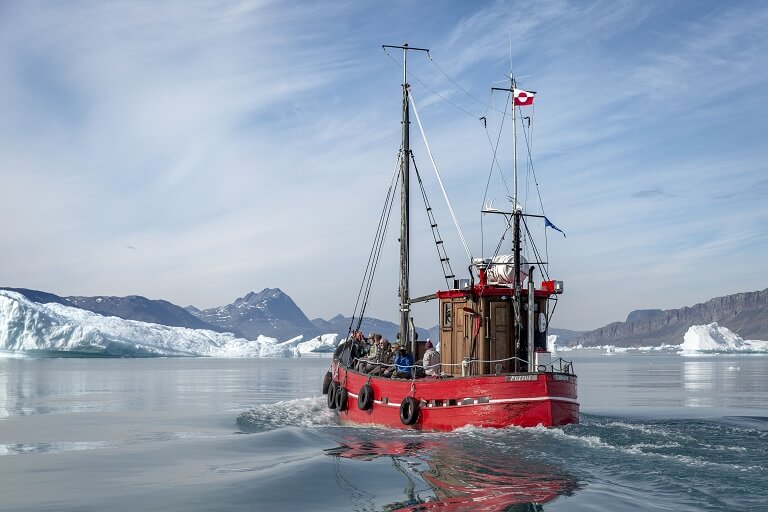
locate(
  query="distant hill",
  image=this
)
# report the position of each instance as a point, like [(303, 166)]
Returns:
[(136, 307), (39, 297), (271, 312), (564, 336), (743, 313), (340, 325)]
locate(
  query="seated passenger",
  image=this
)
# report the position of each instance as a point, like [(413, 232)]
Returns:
[(388, 368), (380, 356), (431, 360), (403, 364)]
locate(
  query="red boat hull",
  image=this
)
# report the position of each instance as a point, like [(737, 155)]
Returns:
[(496, 401)]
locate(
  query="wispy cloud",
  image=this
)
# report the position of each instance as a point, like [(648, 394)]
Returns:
[(238, 145)]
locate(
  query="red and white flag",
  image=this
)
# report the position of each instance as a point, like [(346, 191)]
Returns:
[(523, 98)]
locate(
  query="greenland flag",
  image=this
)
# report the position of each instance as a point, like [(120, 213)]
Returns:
[(523, 98)]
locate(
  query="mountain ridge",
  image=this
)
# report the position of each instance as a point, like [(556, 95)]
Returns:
[(271, 312), (743, 313)]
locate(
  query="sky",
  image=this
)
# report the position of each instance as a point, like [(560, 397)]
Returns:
[(194, 151)]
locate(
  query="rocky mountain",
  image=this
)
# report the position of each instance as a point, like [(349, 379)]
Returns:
[(270, 313), (132, 307), (136, 307), (743, 313), (643, 314)]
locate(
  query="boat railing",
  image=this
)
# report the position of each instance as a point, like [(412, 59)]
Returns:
[(558, 365)]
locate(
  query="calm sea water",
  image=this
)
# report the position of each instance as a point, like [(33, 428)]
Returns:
[(658, 432)]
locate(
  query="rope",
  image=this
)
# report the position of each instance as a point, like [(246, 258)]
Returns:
[(439, 180), (373, 257)]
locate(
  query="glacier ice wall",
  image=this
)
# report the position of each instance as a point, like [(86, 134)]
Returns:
[(30, 326)]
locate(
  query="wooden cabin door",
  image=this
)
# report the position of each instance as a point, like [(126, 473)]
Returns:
[(500, 336)]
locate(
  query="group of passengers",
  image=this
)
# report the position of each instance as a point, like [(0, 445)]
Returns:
[(375, 355)]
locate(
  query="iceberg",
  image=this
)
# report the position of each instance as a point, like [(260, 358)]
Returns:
[(552, 343), (30, 327), (714, 338)]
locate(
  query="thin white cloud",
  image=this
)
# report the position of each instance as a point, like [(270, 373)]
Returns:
[(239, 145)]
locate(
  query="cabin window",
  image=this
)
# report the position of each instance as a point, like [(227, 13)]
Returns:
[(447, 314)]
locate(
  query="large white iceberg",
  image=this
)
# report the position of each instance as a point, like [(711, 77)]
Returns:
[(30, 326), (714, 338)]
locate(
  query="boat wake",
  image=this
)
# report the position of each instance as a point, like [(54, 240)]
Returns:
[(302, 412)]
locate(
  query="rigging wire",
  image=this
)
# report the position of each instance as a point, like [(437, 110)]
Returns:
[(536, 253), (454, 82), (378, 242), (494, 160), (458, 107), (375, 266), (528, 144), (439, 180), (442, 256), (429, 88)]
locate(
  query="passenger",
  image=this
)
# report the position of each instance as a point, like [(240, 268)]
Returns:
[(381, 358), (371, 352), (357, 350), (403, 364), (431, 359), (389, 367)]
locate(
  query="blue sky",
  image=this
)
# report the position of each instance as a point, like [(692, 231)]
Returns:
[(195, 150)]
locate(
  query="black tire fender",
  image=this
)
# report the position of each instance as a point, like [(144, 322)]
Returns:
[(332, 388), (327, 382), (409, 411), (365, 398), (341, 399)]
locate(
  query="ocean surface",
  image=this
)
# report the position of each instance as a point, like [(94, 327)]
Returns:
[(658, 432)]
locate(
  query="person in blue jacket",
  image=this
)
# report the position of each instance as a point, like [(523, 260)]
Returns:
[(403, 364)]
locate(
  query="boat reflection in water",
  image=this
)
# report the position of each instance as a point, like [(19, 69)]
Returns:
[(451, 475)]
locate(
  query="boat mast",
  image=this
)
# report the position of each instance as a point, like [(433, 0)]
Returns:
[(405, 301), (517, 212), (516, 216)]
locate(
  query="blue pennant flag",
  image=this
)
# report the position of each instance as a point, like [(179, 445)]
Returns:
[(548, 224)]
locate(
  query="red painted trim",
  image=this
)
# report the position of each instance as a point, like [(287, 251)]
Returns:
[(489, 291), (452, 294)]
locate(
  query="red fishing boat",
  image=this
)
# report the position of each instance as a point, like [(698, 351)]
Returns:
[(496, 370)]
